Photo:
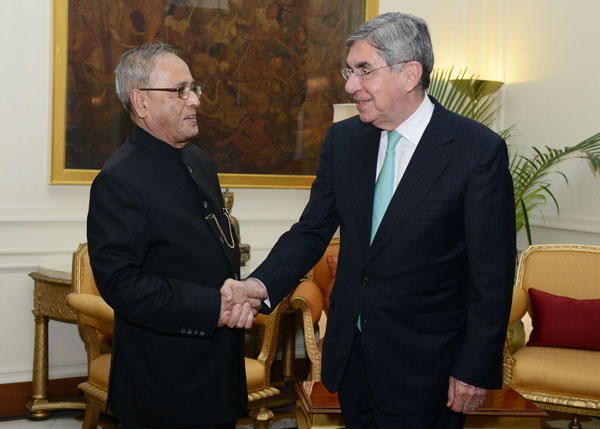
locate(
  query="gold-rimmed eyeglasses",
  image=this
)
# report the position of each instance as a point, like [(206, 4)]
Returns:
[(183, 91), (362, 73)]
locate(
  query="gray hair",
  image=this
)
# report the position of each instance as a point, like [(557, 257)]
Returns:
[(135, 68), (398, 37)]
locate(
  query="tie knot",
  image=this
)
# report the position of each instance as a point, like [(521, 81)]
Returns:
[(393, 139)]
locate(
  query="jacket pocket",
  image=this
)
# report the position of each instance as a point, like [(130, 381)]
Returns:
[(165, 346), (439, 321)]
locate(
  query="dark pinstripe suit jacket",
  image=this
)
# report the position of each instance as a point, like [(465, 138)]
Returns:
[(435, 286)]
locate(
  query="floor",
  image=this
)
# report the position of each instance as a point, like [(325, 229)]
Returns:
[(284, 419)]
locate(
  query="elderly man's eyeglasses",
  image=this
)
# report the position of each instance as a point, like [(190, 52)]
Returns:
[(182, 91), (363, 74)]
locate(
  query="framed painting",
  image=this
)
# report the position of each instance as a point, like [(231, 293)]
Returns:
[(270, 71)]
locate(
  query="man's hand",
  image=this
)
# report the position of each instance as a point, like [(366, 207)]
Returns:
[(463, 397), (240, 302)]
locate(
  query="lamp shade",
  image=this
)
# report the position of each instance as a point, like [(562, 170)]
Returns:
[(344, 111)]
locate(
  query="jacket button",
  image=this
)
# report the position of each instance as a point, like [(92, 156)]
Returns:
[(182, 330), (190, 169), (364, 280), (189, 332), (204, 204), (201, 333), (221, 240), (195, 332)]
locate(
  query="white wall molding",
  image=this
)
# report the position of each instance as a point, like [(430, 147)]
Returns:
[(589, 224)]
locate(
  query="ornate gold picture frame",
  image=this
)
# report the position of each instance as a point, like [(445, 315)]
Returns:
[(270, 70)]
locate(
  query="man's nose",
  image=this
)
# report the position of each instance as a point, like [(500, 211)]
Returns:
[(353, 84), (193, 99)]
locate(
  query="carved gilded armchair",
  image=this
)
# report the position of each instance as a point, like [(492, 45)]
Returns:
[(559, 368)]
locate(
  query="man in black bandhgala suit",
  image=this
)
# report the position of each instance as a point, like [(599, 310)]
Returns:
[(160, 247)]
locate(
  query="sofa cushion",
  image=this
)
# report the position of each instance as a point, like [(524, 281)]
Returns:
[(556, 371), (560, 321)]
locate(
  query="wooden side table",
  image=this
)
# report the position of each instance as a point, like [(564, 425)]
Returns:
[(503, 408), (49, 302)]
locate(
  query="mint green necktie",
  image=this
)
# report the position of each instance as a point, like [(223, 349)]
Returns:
[(384, 188)]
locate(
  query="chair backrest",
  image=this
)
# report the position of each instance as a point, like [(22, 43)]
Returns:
[(83, 282), (561, 269), (83, 278), (323, 273)]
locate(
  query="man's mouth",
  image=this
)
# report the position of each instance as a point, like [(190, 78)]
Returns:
[(190, 118), (361, 103)]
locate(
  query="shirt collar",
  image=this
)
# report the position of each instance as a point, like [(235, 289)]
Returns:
[(413, 128)]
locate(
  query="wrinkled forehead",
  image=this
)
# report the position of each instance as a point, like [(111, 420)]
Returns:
[(363, 55), (170, 70)]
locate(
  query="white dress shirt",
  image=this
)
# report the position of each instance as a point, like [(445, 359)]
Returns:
[(411, 130)]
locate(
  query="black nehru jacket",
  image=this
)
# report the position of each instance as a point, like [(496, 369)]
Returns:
[(160, 262)]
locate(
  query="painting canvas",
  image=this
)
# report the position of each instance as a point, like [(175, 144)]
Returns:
[(270, 71)]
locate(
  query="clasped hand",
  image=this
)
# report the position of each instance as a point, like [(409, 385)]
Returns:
[(240, 302)]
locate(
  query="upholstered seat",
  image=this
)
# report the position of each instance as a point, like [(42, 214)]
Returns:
[(311, 297), (549, 372)]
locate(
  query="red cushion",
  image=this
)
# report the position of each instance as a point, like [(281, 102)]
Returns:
[(559, 321)]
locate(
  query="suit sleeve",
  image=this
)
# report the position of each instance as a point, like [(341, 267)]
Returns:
[(490, 239), (299, 249), (119, 239)]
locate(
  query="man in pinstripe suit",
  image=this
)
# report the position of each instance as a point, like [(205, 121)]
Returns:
[(421, 299)]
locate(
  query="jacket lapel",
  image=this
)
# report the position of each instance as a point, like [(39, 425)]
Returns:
[(365, 148), (433, 153)]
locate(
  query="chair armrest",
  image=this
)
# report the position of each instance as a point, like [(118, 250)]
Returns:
[(308, 297), (519, 304), (95, 311), (270, 336)]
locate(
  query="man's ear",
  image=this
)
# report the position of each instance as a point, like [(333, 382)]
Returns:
[(413, 73), (138, 103)]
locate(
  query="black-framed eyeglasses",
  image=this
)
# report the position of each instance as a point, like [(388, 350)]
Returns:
[(182, 91), (362, 74)]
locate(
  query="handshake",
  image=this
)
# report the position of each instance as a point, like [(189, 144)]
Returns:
[(240, 302)]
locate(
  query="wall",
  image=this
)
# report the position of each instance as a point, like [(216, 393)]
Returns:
[(540, 48)]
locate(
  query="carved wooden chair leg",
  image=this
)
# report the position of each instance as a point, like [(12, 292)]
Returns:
[(575, 423), (261, 417), (92, 415)]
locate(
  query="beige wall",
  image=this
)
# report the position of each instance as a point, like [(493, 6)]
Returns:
[(544, 50)]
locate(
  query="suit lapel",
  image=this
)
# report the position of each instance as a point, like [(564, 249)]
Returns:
[(433, 153), (365, 148)]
